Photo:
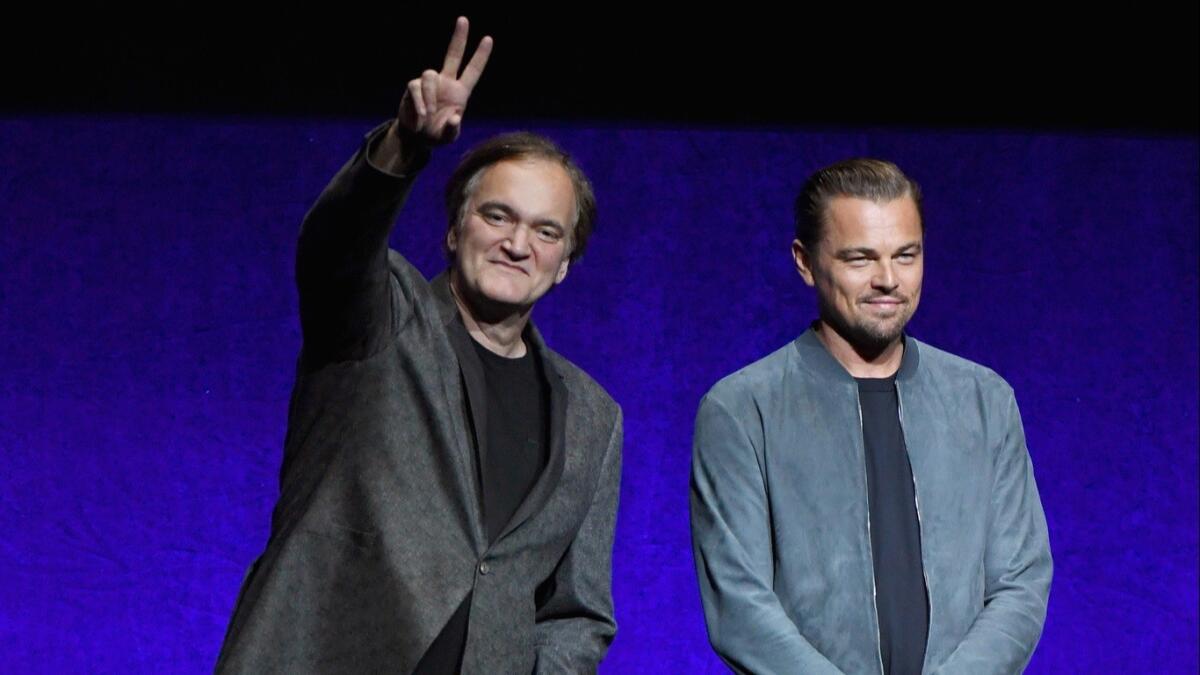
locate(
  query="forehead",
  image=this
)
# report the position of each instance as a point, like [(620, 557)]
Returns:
[(533, 187), (853, 221)]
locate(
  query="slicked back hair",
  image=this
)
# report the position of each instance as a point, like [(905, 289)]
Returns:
[(876, 180)]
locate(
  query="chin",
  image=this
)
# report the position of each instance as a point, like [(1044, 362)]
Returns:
[(501, 293), (872, 333), (884, 332)]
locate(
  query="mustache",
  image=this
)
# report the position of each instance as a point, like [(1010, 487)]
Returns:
[(884, 296)]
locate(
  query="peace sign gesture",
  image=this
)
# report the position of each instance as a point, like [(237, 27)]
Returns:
[(434, 103)]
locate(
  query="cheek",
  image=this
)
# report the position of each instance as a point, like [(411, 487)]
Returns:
[(550, 259), (851, 286), (475, 238), (914, 277)]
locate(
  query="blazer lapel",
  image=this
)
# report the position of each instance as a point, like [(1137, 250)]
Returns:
[(472, 377), (549, 478), (471, 373)]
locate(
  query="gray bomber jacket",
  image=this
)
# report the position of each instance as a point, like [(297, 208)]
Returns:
[(779, 516)]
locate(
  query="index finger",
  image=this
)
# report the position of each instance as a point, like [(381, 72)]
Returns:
[(458, 45), (478, 62)]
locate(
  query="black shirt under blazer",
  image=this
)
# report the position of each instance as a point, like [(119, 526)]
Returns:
[(378, 533)]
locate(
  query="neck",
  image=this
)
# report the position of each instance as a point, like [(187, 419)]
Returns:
[(875, 361), (497, 329)]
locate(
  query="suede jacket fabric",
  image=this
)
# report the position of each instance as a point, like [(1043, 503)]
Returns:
[(780, 525), (378, 534)]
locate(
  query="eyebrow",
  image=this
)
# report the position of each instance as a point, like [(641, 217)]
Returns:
[(843, 254), (847, 252)]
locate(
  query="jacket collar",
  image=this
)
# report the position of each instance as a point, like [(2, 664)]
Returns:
[(818, 360), (448, 313), (472, 373)]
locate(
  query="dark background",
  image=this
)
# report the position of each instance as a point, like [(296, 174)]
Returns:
[(979, 66)]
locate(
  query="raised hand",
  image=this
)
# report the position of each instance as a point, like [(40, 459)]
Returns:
[(434, 103)]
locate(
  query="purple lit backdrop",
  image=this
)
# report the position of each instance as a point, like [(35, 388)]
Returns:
[(148, 334)]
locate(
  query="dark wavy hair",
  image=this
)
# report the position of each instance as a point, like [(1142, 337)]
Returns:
[(517, 146)]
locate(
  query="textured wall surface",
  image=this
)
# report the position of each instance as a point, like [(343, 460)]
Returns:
[(148, 334)]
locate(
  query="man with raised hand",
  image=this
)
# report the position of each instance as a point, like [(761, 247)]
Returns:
[(862, 502), (449, 484)]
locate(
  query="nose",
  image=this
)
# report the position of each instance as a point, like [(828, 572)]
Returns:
[(516, 245), (884, 278)]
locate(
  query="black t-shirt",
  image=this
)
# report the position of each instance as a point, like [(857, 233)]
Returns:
[(517, 439), (900, 594), (517, 434)]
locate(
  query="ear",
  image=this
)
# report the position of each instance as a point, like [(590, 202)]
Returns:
[(804, 262), (452, 239), (562, 270)]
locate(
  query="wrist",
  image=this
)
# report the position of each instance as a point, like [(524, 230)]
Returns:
[(398, 151)]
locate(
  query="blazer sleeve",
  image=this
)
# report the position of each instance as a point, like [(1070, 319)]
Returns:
[(574, 619), (346, 305), (731, 543), (1017, 565)]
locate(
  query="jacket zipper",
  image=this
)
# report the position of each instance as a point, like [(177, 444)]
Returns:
[(870, 547), (917, 503)]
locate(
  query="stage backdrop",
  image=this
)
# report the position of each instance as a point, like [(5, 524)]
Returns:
[(148, 335)]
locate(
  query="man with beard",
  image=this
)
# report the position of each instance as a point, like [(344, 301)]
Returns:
[(449, 483), (861, 501)]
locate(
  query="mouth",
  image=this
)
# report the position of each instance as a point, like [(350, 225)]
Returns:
[(510, 267), (884, 303)]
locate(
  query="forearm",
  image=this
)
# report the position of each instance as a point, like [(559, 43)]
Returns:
[(1001, 640), (396, 151), (349, 224), (1005, 633), (341, 262), (1017, 565), (731, 540), (747, 625)]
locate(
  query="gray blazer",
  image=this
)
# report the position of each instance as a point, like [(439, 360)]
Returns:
[(780, 519), (378, 534)]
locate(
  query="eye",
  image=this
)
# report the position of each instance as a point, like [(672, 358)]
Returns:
[(906, 257), (549, 234), (495, 217), (857, 262)]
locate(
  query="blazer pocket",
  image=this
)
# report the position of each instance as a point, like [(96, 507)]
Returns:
[(355, 538)]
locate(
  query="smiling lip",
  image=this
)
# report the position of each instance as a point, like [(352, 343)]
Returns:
[(515, 268)]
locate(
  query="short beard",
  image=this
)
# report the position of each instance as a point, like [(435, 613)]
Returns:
[(866, 338)]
